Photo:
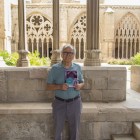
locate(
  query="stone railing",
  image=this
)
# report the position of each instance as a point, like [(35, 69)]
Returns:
[(135, 78), (102, 84)]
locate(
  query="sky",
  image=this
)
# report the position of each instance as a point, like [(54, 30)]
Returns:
[(108, 2)]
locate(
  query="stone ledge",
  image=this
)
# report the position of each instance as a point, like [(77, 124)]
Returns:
[(123, 111)]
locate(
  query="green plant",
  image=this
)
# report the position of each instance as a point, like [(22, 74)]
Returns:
[(136, 59), (10, 59), (119, 62), (37, 61)]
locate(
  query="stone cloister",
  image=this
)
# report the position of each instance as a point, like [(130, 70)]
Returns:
[(119, 41), (110, 111)]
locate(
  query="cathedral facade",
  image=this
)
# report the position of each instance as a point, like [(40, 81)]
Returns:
[(118, 28)]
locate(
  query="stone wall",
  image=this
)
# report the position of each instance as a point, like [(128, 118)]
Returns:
[(102, 84), (135, 78)]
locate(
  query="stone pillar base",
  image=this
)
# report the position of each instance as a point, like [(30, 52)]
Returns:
[(55, 57), (92, 58), (23, 60)]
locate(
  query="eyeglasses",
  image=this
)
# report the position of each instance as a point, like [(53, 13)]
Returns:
[(68, 53)]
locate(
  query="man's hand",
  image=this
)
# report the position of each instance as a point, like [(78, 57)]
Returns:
[(64, 86), (79, 86)]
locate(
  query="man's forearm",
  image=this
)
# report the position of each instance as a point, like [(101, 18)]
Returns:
[(52, 86)]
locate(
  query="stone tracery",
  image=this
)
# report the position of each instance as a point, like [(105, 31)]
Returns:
[(127, 37), (78, 36), (40, 34)]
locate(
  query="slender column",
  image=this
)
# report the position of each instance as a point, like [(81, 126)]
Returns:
[(32, 47), (28, 45), (42, 49), (75, 47), (122, 49), (79, 50), (84, 49), (114, 49), (131, 48), (118, 49), (126, 49), (92, 35), (52, 44), (135, 47), (23, 60), (48, 48), (37, 46), (55, 52)]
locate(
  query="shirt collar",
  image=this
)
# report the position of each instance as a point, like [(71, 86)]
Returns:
[(63, 65)]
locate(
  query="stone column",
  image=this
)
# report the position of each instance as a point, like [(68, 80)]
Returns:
[(27, 45), (32, 47), (37, 46), (23, 60), (42, 48), (55, 52), (118, 49), (122, 49), (84, 49), (92, 36), (126, 49), (79, 50), (135, 47), (75, 47), (131, 48), (48, 48)]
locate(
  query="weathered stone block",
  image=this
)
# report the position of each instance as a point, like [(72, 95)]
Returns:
[(2, 74), (85, 94), (39, 72), (13, 75), (16, 85), (135, 86), (101, 83), (41, 84), (40, 95), (116, 83), (96, 95), (96, 74), (114, 95), (31, 84), (135, 78), (16, 96)]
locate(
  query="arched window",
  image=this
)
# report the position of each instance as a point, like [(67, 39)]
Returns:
[(127, 40), (78, 36), (39, 29)]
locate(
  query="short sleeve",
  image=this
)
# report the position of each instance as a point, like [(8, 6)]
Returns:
[(81, 79), (50, 78)]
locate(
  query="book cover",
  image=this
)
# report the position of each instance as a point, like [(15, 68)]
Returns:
[(71, 77)]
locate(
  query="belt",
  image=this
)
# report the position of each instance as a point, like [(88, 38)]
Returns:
[(68, 100)]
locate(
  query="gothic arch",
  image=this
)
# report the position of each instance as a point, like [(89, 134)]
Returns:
[(77, 35), (73, 22), (39, 34), (36, 12), (127, 36), (125, 13)]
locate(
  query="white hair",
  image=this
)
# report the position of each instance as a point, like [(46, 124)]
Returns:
[(68, 45)]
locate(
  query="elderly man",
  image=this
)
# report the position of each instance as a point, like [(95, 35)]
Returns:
[(67, 102)]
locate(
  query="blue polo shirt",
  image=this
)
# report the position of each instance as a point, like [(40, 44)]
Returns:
[(57, 76)]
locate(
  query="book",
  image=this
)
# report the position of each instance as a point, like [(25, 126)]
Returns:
[(71, 77)]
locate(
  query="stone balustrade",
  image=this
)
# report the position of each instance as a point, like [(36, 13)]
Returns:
[(103, 84)]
